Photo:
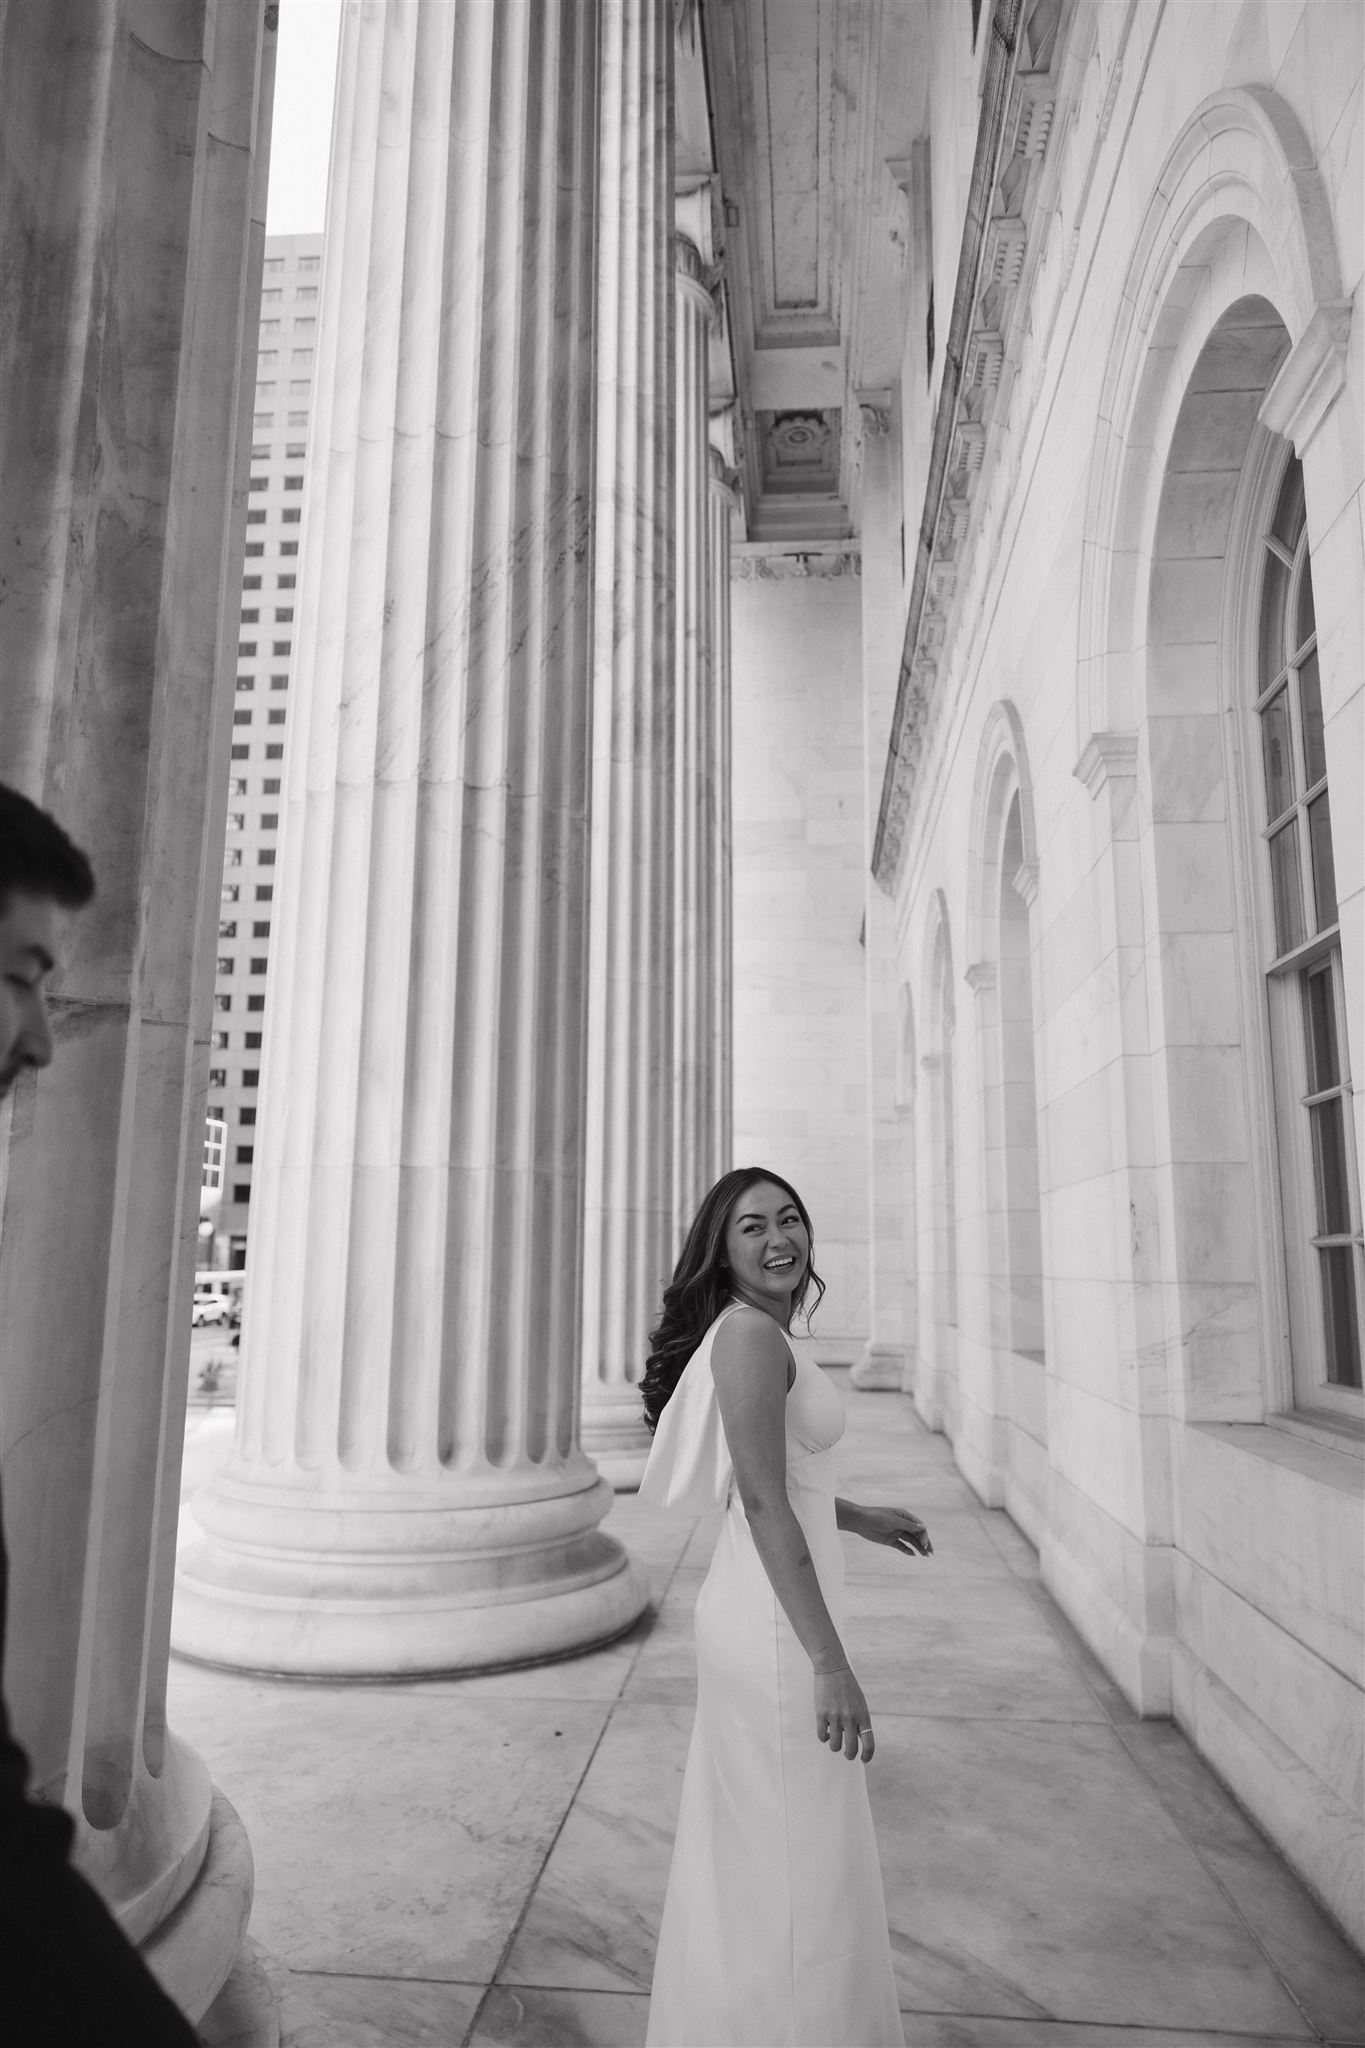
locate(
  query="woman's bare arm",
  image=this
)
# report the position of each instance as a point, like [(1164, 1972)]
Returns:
[(750, 1364)]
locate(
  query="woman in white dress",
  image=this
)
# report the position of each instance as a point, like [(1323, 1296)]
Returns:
[(774, 1929)]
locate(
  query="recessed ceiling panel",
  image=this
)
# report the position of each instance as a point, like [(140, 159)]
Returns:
[(791, 48)]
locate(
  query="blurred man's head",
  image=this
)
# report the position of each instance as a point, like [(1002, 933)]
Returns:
[(41, 875)]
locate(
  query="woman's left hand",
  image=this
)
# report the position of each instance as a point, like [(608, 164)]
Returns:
[(896, 1526)]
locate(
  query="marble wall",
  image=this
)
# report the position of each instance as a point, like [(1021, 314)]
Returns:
[(800, 1062), (1192, 308)]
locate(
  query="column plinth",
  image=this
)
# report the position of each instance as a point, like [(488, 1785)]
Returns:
[(406, 1490)]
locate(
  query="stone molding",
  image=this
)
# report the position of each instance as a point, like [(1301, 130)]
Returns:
[(1311, 378), (875, 410), (1017, 120), (1269, 180), (980, 977), (1106, 757), (1024, 882), (755, 568), (1003, 774)]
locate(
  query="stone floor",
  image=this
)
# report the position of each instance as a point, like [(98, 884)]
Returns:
[(481, 1863)]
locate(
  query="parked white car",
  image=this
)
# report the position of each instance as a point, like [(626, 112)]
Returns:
[(209, 1308)]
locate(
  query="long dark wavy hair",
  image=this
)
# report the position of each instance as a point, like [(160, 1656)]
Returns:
[(701, 1285)]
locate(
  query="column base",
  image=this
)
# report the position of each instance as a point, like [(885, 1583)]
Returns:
[(192, 1953), (882, 1368), (402, 1583), (244, 2014), (614, 1434)]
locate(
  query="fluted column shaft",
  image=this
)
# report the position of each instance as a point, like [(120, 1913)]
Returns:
[(627, 1209), (721, 509), (406, 1490), (133, 222), (694, 837), (891, 1130)]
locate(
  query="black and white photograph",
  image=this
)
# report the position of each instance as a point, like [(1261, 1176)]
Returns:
[(682, 976)]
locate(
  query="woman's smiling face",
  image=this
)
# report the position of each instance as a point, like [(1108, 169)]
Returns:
[(767, 1247)]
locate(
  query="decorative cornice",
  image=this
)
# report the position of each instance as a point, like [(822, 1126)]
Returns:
[(980, 977), (1311, 378), (874, 410), (753, 568), (1106, 757), (1017, 110)]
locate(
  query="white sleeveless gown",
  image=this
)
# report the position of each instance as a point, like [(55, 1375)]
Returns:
[(774, 1929)]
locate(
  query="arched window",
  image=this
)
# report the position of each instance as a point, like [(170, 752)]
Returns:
[(1319, 1178)]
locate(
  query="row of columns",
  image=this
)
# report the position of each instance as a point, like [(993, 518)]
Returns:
[(467, 1190), (490, 1098)]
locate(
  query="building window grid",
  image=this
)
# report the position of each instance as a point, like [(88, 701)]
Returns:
[(262, 481), (1311, 1038)]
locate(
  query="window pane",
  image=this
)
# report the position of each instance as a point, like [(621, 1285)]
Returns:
[(1320, 1030), (1340, 1315), (1274, 594), (1310, 717), (1287, 888), (1305, 624), (1279, 770), (1288, 521), (1329, 1167), (1324, 873)]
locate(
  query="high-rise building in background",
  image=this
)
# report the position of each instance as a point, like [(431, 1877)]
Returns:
[(265, 664)]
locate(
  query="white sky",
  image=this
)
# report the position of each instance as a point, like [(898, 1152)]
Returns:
[(305, 78)]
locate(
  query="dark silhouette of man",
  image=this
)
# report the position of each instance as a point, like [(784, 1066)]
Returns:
[(68, 1976)]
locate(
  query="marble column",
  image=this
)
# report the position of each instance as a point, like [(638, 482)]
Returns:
[(694, 1064), (136, 144), (722, 502), (627, 1209), (886, 1361), (406, 1490)]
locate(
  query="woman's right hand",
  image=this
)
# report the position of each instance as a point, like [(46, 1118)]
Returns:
[(841, 1716)]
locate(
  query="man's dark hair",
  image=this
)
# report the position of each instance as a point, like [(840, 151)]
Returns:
[(37, 858)]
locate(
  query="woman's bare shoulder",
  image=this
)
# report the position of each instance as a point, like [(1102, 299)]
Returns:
[(749, 1338)]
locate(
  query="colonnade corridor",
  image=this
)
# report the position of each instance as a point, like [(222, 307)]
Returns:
[(482, 1861)]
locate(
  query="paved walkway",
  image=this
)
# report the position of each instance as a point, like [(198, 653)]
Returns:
[(481, 1863)]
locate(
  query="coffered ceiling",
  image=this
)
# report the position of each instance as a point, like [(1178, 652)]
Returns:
[(814, 109)]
